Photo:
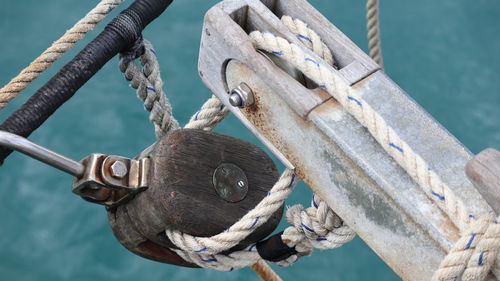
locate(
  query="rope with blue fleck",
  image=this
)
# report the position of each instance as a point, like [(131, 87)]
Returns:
[(352, 102), (474, 254), (56, 50), (149, 86)]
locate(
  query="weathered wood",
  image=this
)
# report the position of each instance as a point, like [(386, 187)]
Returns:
[(484, 172), (181, 194), (135, 242)]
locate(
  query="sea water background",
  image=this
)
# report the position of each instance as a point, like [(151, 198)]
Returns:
[(443, 53)]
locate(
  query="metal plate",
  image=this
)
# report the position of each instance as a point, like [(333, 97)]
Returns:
[(230, 182)]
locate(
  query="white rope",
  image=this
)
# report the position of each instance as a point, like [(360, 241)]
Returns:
[(309, 38), (413, 163), (57, 50), (149, 87), (242, 228), (211, 113), (373, 26), (315, 227)]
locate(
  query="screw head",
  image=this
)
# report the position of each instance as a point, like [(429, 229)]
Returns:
[(118, 169)]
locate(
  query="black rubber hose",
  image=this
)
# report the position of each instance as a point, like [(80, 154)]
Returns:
[(120, 34)]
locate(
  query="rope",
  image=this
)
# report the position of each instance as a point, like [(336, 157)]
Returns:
[(211, 113), (309, 38), (265, 272), (316, 227), (474, 254), (57, 50), (149, 86), (413, 163), (372, 18)]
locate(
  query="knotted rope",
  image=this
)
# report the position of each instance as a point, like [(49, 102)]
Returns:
[(315, 227), (57, 50)]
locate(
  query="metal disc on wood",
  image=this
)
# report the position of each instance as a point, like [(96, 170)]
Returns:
[(230, 182)]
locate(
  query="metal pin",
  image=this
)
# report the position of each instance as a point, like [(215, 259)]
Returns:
[(40, 153)]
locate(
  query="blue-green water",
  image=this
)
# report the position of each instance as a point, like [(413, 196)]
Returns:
[(443, 53)]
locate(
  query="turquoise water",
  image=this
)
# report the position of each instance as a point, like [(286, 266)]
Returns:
[(443, 53)]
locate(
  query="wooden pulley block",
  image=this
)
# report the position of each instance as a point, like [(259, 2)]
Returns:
[(200, 183)]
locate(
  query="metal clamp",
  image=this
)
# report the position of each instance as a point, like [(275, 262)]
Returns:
[(111, 180)]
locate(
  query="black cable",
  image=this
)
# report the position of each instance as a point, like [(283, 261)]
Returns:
[(121, 34)]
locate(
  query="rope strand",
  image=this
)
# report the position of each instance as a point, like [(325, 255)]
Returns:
[(149, 86), (373, 27), (57, 50)]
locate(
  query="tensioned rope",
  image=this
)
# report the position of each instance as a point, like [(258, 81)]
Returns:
[(149, 86), (373, 27), (413, 163), (56, 50)]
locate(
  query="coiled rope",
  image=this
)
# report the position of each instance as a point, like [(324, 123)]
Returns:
[(56, 50)]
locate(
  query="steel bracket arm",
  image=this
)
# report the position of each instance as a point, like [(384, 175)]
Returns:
[(307, 129)]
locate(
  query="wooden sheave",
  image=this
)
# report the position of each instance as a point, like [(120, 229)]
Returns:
[(181, 194)]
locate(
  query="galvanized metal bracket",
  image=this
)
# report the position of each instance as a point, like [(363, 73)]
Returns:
[(111, 180), (334, 154), (225, 38)]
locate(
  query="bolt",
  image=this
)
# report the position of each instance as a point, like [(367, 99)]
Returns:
[(118, 169), (241, 184), (235, 99), (241, 96)]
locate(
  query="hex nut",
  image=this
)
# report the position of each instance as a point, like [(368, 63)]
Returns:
[(118, 169)]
